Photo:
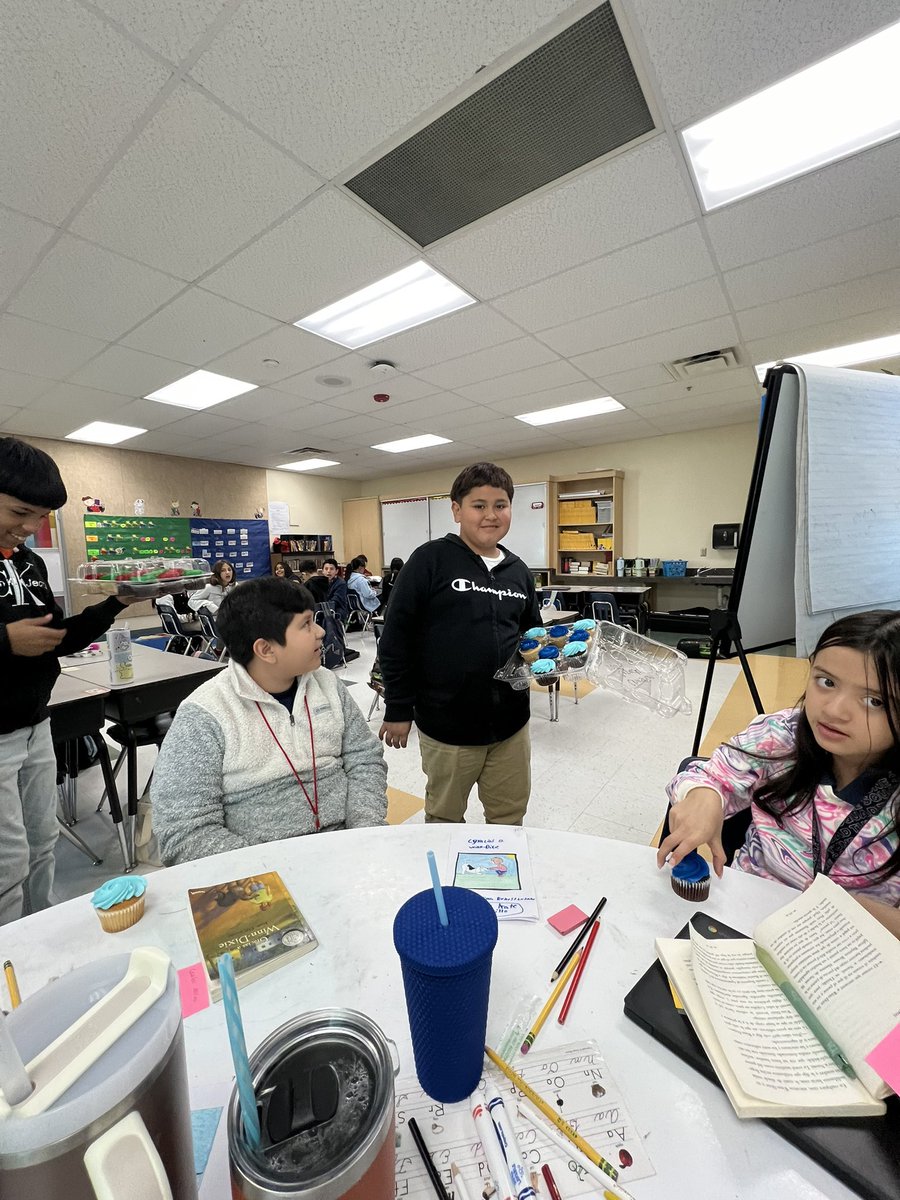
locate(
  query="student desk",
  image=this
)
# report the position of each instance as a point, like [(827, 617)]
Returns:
[(351, 887), (161, 681)]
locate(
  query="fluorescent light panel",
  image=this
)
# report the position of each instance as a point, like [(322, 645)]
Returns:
[(834, 108), (571, 412), (400, 301), (201, 389), (841, 356), (413, 443), (308, 464), (104, 433)]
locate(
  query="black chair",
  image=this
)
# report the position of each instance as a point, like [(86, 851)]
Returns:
[(734, 829), (358, 610), (182, 641), (214, 643), (605, 607)]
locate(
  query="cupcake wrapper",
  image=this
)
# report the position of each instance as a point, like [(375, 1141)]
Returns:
[(529, 656), (693, 891), (115, 920)]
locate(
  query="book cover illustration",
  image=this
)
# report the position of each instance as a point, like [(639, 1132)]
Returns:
[(255, 920), (498, 867)]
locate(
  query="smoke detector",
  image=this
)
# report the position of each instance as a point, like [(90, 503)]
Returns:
[(381, 369)]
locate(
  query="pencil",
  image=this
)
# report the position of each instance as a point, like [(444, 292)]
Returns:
[(582, 962), (433, 1175), (548, 1007), (9, 971), (557, 1121), (616, 1190), (579, 937), (460, 1191)]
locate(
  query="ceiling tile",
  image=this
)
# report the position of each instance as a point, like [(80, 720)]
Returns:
[(660, 348), (39, 424), (745, 47), (21, 239), (488, 364), (522, 383), (425, 409), (455, 423), (828, 304), (834, 260), (90, 290), (6, 414), (847, 195), (239, 184), (721, 386), (170, 27), (687, 305), (17, 390), (302, 81), (589, 216), (148, 414), (465, 332), (353, 368), (80, 404), (197, 327), (37, 349), (263, 404), (572, 393), (845, 332), (294, 350), (305, 416), (204, 424), (656, 265), (622, 382), (129, 372), (71, 89), (400, 389), (746, 399), (352, 431), (321, 254)]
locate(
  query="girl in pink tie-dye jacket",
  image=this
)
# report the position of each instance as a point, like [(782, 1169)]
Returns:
[(822, 781)]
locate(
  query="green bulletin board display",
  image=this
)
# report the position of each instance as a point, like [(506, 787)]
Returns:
[(137, 537)]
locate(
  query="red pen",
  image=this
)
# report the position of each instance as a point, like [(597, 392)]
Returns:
[(550, 1182), (570, 995)]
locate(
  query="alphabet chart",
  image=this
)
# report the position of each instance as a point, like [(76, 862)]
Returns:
[(574, 1079)]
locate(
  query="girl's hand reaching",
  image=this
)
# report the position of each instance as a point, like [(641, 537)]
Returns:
[(694, 821)]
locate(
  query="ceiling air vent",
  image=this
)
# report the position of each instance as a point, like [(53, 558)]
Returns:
[(567, 103), (702, 364), (308, 450)]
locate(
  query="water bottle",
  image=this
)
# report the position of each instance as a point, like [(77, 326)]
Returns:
[(121, 665), (620, 567)]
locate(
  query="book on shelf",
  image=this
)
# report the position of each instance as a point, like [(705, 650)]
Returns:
[(256, 920), (828, 956)]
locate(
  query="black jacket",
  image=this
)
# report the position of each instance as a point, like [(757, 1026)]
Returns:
[(450, 625), (338, 598), (26, 683)]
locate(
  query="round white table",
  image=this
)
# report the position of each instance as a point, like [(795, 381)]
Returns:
[(349, 886)]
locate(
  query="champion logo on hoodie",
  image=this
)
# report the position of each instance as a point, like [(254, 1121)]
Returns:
[(467, 585)]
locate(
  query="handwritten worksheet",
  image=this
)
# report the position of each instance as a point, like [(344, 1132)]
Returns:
[(498, 867), (574, 1079)]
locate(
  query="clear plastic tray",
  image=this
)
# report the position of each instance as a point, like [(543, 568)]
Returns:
[(147, 578), (517, 672), (640, 670)]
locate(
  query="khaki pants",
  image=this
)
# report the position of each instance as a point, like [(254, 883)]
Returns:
[(502, 771)]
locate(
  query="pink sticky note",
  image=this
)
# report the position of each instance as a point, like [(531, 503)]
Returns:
[(194, 989), (885, 1059), (567, 919)]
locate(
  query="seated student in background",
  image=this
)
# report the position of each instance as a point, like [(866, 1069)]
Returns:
[(822, 780), (336, 595), (357, 582), (282, 571), (310, 578), (273, 746), (390, 578), (220, 584)]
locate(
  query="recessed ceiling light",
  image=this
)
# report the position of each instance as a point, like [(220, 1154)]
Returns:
[(201, 389), (308, 464), (571, 412), (834, 108), (841, 356), (409, 297), (104, 433), (413, 443)]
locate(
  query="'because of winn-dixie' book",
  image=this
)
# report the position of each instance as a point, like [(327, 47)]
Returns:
[(255, 920), (845, 967)]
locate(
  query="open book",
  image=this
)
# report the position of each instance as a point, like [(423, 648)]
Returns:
[(844, 966)]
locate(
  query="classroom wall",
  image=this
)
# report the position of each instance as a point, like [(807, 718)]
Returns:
[(315, 503), (676, 486)]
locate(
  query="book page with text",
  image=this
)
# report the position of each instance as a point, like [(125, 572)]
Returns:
[(844, 964)]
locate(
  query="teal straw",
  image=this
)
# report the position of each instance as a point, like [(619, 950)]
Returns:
[(246, 1094), (438, 890)]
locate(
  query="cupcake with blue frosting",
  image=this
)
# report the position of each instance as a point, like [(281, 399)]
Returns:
[(558, 635), (528, 649), (585, 625), (119, 903), (690, 879)]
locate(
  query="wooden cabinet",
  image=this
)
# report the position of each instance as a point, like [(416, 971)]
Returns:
[(586, 524)]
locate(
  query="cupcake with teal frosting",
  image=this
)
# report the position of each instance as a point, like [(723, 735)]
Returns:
[(119, 903), (538, 633), (574, 654), (544, 670), (587, 625)]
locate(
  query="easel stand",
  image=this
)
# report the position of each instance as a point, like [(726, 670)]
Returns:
[(724, 628)]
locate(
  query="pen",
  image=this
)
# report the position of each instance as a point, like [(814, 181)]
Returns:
[(12, 984), (805, 1013), (579, 938), (550, 1182), (433, 1174)]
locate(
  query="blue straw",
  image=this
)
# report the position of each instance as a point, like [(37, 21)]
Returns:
[(246, 1095), (438, 890)]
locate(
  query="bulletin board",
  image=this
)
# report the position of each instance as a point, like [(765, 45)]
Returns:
[(136, 537), (245, 544)]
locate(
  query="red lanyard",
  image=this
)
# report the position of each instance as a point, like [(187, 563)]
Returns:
[(314, 803)]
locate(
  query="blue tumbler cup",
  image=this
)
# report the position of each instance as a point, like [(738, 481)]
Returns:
[(447, 980)]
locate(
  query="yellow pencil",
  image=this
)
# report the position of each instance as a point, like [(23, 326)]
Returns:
[(548, 1007), (14, 998), (543, 1107)]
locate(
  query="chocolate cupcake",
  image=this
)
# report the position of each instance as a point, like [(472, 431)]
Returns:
[(690, 879)]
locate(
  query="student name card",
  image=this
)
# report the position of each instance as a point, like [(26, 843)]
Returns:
[(574, 1079), (498, 867)]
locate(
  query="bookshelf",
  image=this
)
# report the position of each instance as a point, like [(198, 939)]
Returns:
[(293, 548), (586, 530)]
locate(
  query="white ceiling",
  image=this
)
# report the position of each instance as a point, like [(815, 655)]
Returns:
[(171, 198)]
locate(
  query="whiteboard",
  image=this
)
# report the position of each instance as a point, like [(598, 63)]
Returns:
[(527, 535), (404, 526), (440, 517)]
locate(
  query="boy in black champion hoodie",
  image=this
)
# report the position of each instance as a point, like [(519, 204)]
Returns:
[(32, 634), (457, 611)]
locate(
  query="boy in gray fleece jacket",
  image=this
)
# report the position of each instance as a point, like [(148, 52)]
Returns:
[(273, 746)]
